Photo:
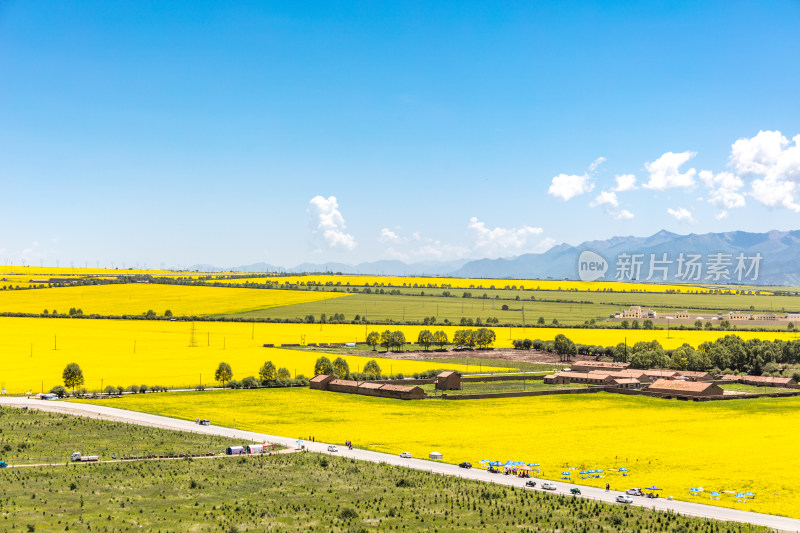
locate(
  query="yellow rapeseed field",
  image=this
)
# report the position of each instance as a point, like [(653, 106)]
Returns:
[(739, 445), (477, 283), (137, 298), (127, 352)]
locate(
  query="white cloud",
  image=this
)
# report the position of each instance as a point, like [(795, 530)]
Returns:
[(388, 235), (774, 162), (569, 186), (596, 163), (723, 189), (330, 223), (605, 198), (665, 171), (721, 215), (625, 182), (566, 186), (681, 214), (622, 214), (500, 241), (431, 250)]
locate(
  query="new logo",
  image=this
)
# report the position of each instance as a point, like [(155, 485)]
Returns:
[(591, 266)]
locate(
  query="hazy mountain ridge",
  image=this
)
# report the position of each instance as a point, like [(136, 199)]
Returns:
[(780, 264)]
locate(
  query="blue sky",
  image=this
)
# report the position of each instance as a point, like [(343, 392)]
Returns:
[(184, 133)]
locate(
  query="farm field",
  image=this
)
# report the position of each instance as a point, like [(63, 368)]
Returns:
[(127, 352), (288, 492), (737, 445), (385, 307), (138, 298), (35, 437), (473, 283)]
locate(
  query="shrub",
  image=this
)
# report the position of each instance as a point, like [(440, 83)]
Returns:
[(233, 384), (59, 391), (143, 388), (249, 382)]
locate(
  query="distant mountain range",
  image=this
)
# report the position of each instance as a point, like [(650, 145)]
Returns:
[(771, 258)]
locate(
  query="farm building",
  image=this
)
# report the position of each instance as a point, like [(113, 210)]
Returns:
[(321, 381), (638, 375), (448, 381), (684, 389), (564, 378), (626, 383), (588, 366), (768, 381), (367, 388), (690, 375)]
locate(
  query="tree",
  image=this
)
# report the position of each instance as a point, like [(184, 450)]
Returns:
[(373, 339), (223, 373), (398, 340), (624, 324), (540, 321), (425, 339), (59, 391), (698, 324), (167, 313), (372, 368), (440, 339), (283, 373), (647, 324), (267, 372), (464, 337), (564, 347), (386, 339), (73, 376), (635, 324), (484, 337), (340, 368), (323, 366)]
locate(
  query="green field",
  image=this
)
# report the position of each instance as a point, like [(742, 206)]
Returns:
[(294, 492), (572, 307), (496, 387), (33, 437)]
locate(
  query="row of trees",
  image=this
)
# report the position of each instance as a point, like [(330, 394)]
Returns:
[(481, 338), (728, 354), (341, 369)]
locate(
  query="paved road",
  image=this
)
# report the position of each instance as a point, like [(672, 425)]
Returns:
[(120, 415)]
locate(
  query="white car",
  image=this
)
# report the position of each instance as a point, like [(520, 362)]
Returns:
[(634, 492), (548, 486), (333, 448), (622, 498), (406, 455)]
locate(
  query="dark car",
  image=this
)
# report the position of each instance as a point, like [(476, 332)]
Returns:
[(205, 422), (465, 465)]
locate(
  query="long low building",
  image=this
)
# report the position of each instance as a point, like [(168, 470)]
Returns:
[(672, 388), (367, 388), (588, 366), (762, 381)]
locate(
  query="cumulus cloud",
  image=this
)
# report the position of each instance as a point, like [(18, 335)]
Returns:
[(665, 171), (605, 198), (721, 215), (622, 214), (681, 214), (723, 189), (625, 182), (390, 236), (500, 241), (774, 164), (566, 186), (330, 223)]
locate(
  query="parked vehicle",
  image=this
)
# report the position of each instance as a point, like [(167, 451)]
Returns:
[(3, 464), (623, 498), (576, 491), (634, 492), (205, 422), (548, 486), (333, 448), (465, 465), (530, 484), (406, 455), (78, 458)]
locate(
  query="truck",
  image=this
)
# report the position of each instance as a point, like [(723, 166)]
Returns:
[(78, 458)]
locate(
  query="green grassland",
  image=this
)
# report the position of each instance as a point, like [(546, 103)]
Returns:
[(295, 492), (496, 387), (568, 307), (33, 437)]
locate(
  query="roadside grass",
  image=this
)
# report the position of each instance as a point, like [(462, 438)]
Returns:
[(302, 492), (741, 387), (32, 437)]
